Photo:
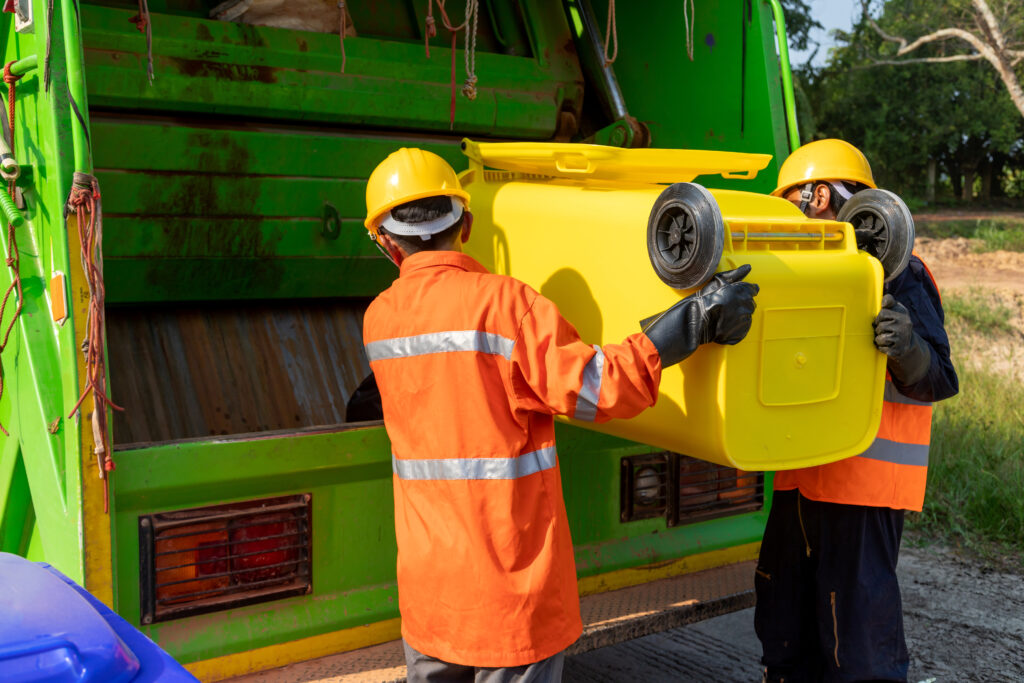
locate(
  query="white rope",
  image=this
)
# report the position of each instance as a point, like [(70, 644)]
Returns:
[(688, 21), (472, 20), (611, 31)]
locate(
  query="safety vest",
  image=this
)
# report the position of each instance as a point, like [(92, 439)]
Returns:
[(472, 367), (891, 473)]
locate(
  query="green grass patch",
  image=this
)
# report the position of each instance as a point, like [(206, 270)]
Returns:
[(976, 474), (993, 235), (979, 311)]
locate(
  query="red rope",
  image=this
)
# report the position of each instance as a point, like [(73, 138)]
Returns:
[(84, 201), (431, 31), (14, 256)]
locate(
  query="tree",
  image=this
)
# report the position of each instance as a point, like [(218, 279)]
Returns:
[(913, 119), (996, 37)]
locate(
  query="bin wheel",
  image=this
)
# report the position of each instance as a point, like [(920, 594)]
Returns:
[(884, 228), (685, 235)]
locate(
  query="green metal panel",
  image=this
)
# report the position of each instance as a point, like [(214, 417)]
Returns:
[(717, 101), (348, 474), (213, 67)]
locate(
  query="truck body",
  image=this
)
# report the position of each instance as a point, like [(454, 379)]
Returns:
[(231, 510)]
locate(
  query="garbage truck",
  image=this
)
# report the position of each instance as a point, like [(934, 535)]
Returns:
[(186, 274)]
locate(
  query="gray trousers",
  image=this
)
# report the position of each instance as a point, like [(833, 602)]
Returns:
[(421, 668)]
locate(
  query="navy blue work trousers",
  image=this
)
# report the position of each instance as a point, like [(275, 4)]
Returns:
[(828, 602)]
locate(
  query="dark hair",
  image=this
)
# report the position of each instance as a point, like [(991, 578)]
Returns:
[(836, 200), (421, 211)]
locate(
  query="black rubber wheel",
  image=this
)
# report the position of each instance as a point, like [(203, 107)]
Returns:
[(685, 235), (884, 228)]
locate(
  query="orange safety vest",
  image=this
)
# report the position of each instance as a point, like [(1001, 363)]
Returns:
[(472, 367), (891, 473)]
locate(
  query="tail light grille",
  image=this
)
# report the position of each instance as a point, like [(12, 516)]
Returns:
[(214, 558), (684, 490)]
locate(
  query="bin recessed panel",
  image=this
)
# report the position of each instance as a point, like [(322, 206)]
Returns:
[(802, 355)]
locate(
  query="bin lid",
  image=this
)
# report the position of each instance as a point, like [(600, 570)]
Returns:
[(49, 632), (599, 162)]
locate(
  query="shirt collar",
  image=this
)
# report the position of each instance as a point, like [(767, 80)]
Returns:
[(434, 259)]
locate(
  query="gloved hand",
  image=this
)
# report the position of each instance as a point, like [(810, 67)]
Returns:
[(719, 312), (909, 354)]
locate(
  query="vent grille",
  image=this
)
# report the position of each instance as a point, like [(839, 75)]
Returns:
[(684, 490), (215, 558)]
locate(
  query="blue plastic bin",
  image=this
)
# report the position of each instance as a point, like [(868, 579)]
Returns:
[(53, 630)]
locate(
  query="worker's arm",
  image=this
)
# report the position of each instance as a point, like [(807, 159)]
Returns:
[(552, 370), (910, 330)]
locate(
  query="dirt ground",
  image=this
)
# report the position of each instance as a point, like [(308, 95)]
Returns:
[(996, 276), (964, 617), (964, 621)]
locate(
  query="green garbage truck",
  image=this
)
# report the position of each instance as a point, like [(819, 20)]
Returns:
[(186, 273)]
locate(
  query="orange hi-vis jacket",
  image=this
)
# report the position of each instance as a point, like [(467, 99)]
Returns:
[(891, 473), (472, 367)]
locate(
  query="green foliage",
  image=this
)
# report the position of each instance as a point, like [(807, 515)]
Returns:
[(999, 238), (979, 311), (958, 115), (992, 235), (976, 474)]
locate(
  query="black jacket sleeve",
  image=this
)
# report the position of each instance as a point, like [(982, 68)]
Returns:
[(914, 289)]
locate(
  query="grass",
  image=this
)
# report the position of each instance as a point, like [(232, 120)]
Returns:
[(991, 235), (975, 495), (978, 311), (976, 475)]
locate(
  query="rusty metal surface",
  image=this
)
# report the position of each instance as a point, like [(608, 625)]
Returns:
[(608, 618), (215, 370)]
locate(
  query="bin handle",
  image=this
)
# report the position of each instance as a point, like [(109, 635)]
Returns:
[(740, 175), (562, 164)]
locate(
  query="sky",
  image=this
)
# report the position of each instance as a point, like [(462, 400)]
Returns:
[(831, 14)]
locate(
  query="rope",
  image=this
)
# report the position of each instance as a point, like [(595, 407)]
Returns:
[(611, 31), (341, 33), (472, 16), (472, 19), (431, 27), (49, 40), (688, 20), (143, 23), (84, 202), (13, 255)]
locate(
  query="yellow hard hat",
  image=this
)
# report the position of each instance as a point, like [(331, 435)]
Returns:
[(404, 176), (824, 160)]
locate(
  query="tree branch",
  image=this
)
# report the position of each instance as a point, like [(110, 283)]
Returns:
[(993, 50), (922, 60)]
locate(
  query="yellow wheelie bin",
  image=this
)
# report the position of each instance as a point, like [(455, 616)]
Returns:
[(614, 236)]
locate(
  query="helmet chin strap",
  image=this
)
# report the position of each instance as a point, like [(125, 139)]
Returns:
[(806, 195), (395, 259)]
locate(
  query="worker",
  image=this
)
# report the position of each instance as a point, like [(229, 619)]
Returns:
[(828, 601), (471, 368)]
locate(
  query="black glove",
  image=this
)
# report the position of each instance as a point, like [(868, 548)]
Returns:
[(720, 312), (909, 354)]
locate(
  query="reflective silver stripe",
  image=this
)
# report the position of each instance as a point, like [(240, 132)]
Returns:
[(590, 392), (440, 342), (476, 468), (892, 395), (895, 452)]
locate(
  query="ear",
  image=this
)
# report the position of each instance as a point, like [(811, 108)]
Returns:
[(391, 248), (467, 227), (820, 206)]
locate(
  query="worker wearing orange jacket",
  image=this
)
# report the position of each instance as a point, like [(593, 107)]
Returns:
[(828, 601), (471, 368)]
